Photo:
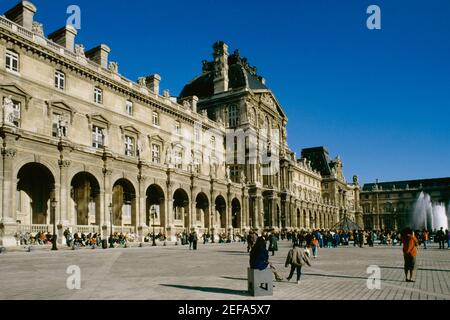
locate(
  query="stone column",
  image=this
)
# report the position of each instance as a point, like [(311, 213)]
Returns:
[(107, 201), (260, 220), (64, 195), (141, 221), (228, 220), (8, 224), (170, 226)]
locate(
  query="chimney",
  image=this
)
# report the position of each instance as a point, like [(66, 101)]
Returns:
[(64, 37), (22, 14), (99, 55), (152, 83), (220, 67), (190, 102)]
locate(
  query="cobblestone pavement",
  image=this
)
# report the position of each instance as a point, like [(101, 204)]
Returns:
[(217, 271)]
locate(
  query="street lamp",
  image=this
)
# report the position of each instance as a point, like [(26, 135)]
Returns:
[(153, 212), (111, 245), (53, 204)]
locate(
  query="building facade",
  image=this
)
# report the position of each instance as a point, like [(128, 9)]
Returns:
[(390, 205), (86, 148)]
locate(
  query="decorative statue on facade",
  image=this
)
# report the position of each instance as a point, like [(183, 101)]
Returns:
[(168, 156), (113, 67), (62, 126), (228, 174), (79, 50), (105, 138), (243, 178), (38, 28), (8, 111), (142, 81)]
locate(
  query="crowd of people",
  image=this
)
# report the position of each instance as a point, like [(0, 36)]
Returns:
[(38, 238)]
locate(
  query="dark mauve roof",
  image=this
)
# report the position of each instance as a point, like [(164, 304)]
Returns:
[(412, 184), (238, 77), (320, 159)]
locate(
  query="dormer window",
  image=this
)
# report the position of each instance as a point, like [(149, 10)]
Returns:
[(12, 61), (233, 116)]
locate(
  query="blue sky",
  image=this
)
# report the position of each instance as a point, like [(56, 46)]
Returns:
[(380, 99)]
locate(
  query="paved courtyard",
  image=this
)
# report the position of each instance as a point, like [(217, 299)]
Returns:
[(216, 271)]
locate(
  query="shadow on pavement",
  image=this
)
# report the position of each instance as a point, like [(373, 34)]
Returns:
[(343, 276), (234, 252), (420, 269), (231, 278), (208, 289)]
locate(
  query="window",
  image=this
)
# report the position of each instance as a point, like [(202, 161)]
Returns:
[(178, 157), (98, 95), (59, 126), (155, 119), (156, 153), (233, 116), (98, 137), (129, 108), (197, 134), (12, 61), (60, 80), (234, 173), (178, 127), (197, 165), (129, 146)]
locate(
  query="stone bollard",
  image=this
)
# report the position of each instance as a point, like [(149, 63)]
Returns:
[(29, 248), (260, 282), (140, 245)]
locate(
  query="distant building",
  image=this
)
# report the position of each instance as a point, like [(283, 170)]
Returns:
[(389, 205)]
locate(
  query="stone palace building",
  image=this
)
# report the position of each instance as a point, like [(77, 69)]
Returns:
[(86, 148)]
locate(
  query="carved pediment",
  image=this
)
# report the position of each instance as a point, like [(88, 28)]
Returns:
[(156, 138), (96, 117), (269, 100), (16, 90), (130, 129), (60, 106)]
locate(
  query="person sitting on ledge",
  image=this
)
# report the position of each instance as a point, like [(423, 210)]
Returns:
[(259, 258)]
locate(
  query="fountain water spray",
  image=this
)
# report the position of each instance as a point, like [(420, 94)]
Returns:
[(427, 214)]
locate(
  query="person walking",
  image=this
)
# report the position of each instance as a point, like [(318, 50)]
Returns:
[(447, 235), (296, 258), (194, 240), (315, 247), (425, 238), (191, 240), (273, 243), (440, 236), (410, 244)]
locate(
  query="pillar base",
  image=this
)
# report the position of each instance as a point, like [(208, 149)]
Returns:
[(8, 229)]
